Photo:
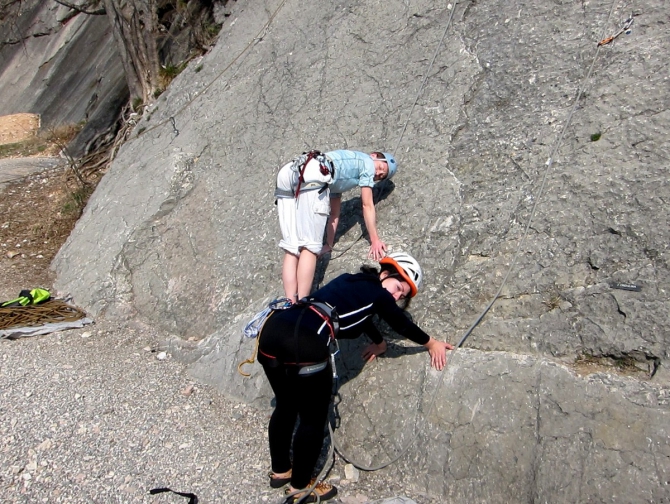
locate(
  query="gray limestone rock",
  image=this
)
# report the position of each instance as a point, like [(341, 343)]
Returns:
[(65, 69), (182, 230)]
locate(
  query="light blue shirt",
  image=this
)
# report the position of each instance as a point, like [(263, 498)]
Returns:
[(352, 169)]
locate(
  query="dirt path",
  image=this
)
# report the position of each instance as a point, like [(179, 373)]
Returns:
[(18, 168), (17, 127), (38, 207)]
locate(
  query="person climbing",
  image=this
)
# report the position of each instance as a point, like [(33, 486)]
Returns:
[(309, 194), (293, 349)]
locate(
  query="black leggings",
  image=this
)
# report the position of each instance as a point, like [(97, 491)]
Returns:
[(291, 338), (304, 397)]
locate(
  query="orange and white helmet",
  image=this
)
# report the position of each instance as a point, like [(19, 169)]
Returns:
[(408, 268)]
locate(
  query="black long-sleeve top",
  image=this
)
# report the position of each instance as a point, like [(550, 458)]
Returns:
[(357, 298)]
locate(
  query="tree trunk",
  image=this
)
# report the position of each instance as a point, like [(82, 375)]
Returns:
[(135, 24)]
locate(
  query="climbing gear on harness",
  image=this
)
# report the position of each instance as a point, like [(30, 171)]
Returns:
[(332, 320), (336, 378), (250, 360), (407, 267), (325, 167), (254, 327), (392, 164), (322, 491), (326, 312)]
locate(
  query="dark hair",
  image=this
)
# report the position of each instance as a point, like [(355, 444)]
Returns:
[(379, 155), (370, 270), (392, 273)]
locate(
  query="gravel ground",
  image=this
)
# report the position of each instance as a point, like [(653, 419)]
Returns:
[(94, 415)]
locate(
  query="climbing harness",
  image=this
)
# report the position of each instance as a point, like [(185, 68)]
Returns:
[(299, 165), (325, 311), (332, 321), (625, 28)]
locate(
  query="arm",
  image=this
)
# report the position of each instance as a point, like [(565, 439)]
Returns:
[(399, 322), (436, 349), (333, 221), (377, 247), (378, 345), (373, 350)]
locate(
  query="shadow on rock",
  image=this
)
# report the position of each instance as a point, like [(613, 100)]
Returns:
[(351, 214)]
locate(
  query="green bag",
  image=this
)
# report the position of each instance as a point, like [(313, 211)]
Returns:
[(28, 297)]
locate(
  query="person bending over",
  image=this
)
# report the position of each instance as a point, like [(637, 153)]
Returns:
[(309, 194), (293, 350)]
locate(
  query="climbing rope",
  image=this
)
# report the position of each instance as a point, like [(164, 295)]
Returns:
[(425, 79), (52, 311), (341, 252)]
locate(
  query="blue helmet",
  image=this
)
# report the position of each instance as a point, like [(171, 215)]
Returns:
[(391, 162)]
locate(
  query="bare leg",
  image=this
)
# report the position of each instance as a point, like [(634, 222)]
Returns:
[(306, 268), (289, 275)]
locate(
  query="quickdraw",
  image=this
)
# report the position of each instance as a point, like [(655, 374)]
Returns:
[(625, 28)]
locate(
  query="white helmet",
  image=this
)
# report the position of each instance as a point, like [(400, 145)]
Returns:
[(407, 268)]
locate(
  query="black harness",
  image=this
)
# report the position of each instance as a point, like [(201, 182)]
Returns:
[(331, 320)]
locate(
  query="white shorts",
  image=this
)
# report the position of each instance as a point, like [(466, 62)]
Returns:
[(303, 220)]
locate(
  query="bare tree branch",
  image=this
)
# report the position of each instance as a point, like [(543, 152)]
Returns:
[(99, 12)]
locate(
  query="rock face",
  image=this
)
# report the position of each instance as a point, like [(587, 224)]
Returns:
[(65, 69), (522, 115)]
